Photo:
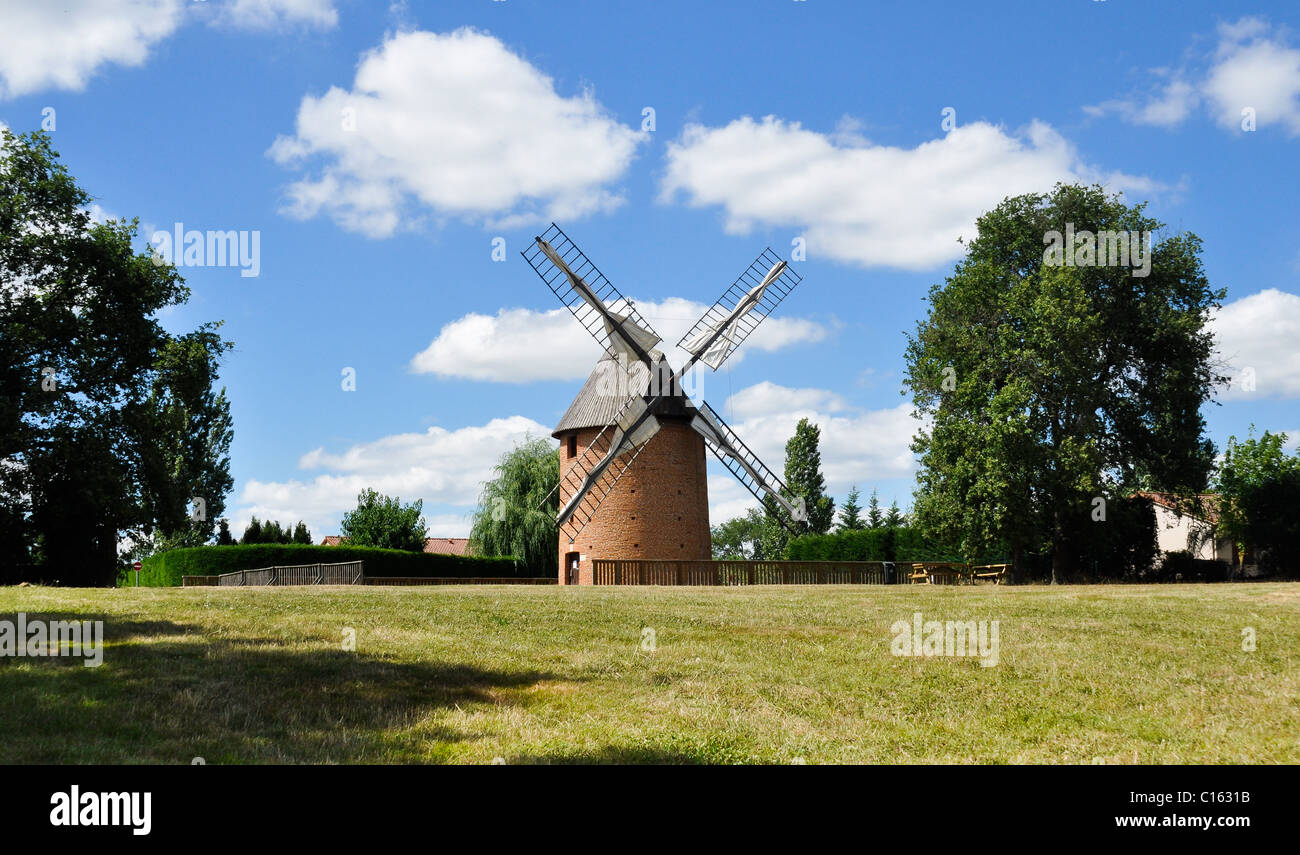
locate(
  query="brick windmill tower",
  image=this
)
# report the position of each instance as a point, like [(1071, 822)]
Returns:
[(632, 464), (660, 507)]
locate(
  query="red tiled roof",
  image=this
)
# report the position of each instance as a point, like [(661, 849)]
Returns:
[(447, 545), (1209, 504), (437, 545)]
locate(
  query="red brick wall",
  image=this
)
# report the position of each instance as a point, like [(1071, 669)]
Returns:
[(658, 510)]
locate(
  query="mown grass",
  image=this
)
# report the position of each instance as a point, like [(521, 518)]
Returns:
[(1113, 674)]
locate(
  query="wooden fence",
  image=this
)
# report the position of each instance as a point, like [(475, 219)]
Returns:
[(457, 580), (644, 572), (345, 573)]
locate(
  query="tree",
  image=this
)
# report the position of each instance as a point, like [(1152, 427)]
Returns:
[(1048, 386), (894, 518), (517, 508), (109, 425), (875, 519), (384, 522), (183, 436), (271, 531), (851, 512), (803, 476), (1259, 491), (302, 535), (741, 538), (252, 532), (803, 479), (223, 533)]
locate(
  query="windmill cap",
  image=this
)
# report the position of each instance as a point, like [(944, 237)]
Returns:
[(610, 384)]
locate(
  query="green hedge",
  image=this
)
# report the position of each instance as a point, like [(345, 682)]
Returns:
[(904, 543), (166, 569)]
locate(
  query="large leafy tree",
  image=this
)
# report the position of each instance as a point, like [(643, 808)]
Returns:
[(381, 521), (1046, 387), (1259, 491), (109, 425), (741, 538), (516, 511)]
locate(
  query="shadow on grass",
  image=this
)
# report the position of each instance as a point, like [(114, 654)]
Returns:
[(167, 693)]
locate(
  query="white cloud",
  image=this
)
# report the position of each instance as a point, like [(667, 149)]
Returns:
[(1252, 65), (458, 126), (445, 468), (1256, 71), (524, 345), (1258, 334), (767, 398), (872, 205), (857, 447), (513, 346), (99, 214), (1170, 106), (61, 45), (269, 14)]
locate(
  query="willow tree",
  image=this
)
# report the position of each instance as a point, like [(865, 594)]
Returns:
[(516, 510), (1055, 375)]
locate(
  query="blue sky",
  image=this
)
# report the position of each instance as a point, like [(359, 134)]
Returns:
[(380, 149)]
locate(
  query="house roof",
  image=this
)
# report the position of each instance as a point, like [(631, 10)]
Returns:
[(447, 545), (437, 545), (1208, 510), (610, 384)]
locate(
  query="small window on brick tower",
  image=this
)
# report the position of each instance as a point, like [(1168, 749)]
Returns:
[(573, 445)]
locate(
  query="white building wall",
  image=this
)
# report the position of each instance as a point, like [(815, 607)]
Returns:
[(1173, 529)]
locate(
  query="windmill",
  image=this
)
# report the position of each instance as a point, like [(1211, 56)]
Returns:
[(633, 403)]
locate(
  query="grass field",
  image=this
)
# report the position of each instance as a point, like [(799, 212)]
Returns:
[(1113, 674)]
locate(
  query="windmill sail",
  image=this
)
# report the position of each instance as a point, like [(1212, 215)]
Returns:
[(740, 309), (743, 463), (612, 320), (608, 316), (628, 338)]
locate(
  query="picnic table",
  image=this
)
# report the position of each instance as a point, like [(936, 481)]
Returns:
[(954, 573)]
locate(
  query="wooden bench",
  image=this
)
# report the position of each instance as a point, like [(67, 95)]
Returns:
[(996, 572), (938, 574)]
